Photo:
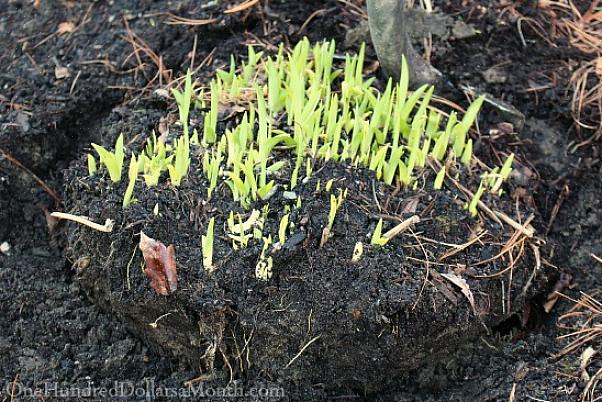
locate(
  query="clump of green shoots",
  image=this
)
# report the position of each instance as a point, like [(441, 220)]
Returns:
[(241, 232), (491, 182), (300, 109), (154, 160)]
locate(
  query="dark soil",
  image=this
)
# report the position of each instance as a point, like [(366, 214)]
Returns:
[(50, 331)]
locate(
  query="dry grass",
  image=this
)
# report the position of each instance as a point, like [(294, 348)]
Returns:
[(584, 325), (562, 20), (583, 321)]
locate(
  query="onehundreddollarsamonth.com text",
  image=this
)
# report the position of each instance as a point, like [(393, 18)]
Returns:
[(147, 391)]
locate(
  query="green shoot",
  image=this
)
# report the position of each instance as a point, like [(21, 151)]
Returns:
[(377, 238), (91, 165), (467, 153), (439, 179), (504, 174), (207, 247), (472, 207), (507, 167), (210, 122), (358, 251), (263, 269), (183, 99), (335, 204), (132, 176), (460, 131), (179, 169), (240, 231), (282, 229), (113, 161)]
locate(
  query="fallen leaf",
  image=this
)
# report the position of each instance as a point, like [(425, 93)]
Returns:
[(160, 265), (65, 27), (464, 288), (36, 4)]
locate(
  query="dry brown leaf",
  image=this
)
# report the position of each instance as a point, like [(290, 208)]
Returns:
[(464, 288), (160, 265), (65, 27)]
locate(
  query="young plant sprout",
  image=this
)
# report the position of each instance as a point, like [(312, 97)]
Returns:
[(439, 179), (358, 251), (181, 160), (183, 99), (207, 247), (210, 122), (467, 153), (263, 269), (460, 130), (504, 174), (377, 238), (91, 165), (132, 176), (472, 206), (335, 204), (282, 229), (113, 161), (240, 230)]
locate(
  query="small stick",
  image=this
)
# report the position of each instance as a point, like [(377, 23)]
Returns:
[(401, 227), (595, 257), (241, 7), (106, 228)]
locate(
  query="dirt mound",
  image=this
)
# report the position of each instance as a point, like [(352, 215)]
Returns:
[(321, 318)]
